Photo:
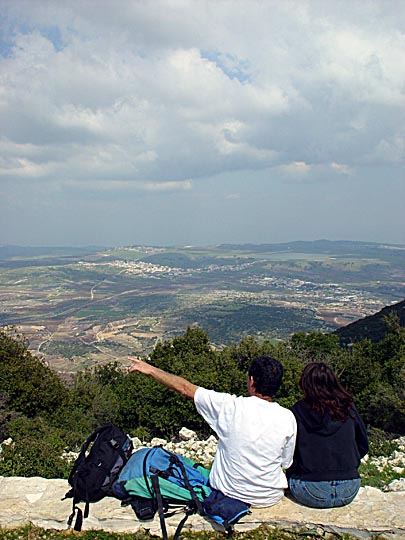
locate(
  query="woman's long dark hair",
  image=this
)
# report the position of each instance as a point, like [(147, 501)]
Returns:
[(323, 392)]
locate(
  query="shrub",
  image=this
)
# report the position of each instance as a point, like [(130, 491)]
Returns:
[(36, 450), (27, 385)]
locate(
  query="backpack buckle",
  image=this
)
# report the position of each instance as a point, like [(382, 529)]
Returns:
[(114, 443)]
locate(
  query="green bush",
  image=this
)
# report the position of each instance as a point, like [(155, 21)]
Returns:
[(27, 385), (380, 444), (36, 450), (144, 403)]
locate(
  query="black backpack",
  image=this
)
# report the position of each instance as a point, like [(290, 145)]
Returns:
[(95, 470)]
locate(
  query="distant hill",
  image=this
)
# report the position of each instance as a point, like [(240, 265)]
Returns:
[(7, 252), (318, 246), (372, 327), (25, 256)]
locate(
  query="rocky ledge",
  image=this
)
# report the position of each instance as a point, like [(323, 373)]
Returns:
[(39, 501)]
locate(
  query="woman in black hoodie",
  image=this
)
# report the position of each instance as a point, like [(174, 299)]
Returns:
[(331, 441)]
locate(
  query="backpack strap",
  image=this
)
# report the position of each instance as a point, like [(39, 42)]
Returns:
[(145, 473), (92, 437), (175, 459), (155, 483), (80, 516), (79, 519), (80, 460), (189, 511), (162, 515), (157, 495)]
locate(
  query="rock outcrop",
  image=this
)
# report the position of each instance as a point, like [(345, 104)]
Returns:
[(39, 501)]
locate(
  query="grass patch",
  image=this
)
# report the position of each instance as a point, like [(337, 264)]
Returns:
[(372, 476), (262, 533), (377, 471)]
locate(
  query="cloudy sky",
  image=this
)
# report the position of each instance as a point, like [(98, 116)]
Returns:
[(201, 121)]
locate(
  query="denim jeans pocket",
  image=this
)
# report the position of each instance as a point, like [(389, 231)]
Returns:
[(320, 493), (314, 494), (348, 490)]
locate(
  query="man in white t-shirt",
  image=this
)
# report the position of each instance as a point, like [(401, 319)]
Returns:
[(256, 436)]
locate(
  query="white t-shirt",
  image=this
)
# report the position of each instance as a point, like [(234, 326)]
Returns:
[(256, 439)]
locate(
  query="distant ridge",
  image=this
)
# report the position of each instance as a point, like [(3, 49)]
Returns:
[(9, 251), (372, 327), (318, 246)]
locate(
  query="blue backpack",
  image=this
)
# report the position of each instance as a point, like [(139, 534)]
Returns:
[(156, 480)]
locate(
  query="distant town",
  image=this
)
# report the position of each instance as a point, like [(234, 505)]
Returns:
[(82, 308)]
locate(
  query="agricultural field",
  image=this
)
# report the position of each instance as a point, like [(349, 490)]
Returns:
[(81, 307)]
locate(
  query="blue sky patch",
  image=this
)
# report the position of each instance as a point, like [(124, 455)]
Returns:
[(233, 67)]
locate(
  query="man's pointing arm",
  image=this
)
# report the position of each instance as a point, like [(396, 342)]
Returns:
[(179, 384)]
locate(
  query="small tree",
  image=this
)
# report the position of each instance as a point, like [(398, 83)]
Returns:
[(27, 385)]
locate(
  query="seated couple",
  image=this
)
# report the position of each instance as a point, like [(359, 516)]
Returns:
[(319, 442)]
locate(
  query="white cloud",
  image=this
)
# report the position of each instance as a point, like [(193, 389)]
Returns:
[(118, 82), (23, 168), (342, 168), (168, 186), (297, 168), (157, 92), (366, 65), (390, 151), (300, 171), (128, 185)]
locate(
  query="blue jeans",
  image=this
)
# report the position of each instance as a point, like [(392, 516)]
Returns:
[(324, 494)]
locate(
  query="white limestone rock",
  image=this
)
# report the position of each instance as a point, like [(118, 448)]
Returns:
[(186, 434), (396, 485), (137, 443), (39, 501), (157, 442), (7, 442)]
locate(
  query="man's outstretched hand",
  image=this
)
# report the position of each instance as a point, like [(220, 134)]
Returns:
[(174, 382), (140, 366)]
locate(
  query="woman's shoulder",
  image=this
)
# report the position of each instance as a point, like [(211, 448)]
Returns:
[(300, 408), (354, 413), (298, 405)]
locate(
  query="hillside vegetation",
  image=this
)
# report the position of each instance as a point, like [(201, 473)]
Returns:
[(46, 416), (372, 327)]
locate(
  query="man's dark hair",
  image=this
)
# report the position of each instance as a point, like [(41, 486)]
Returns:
[(267, 373)]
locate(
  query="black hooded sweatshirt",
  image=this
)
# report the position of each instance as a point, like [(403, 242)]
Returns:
[(327, 449)]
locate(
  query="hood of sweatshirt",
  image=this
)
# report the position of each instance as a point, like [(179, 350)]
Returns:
[(313, 422)]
